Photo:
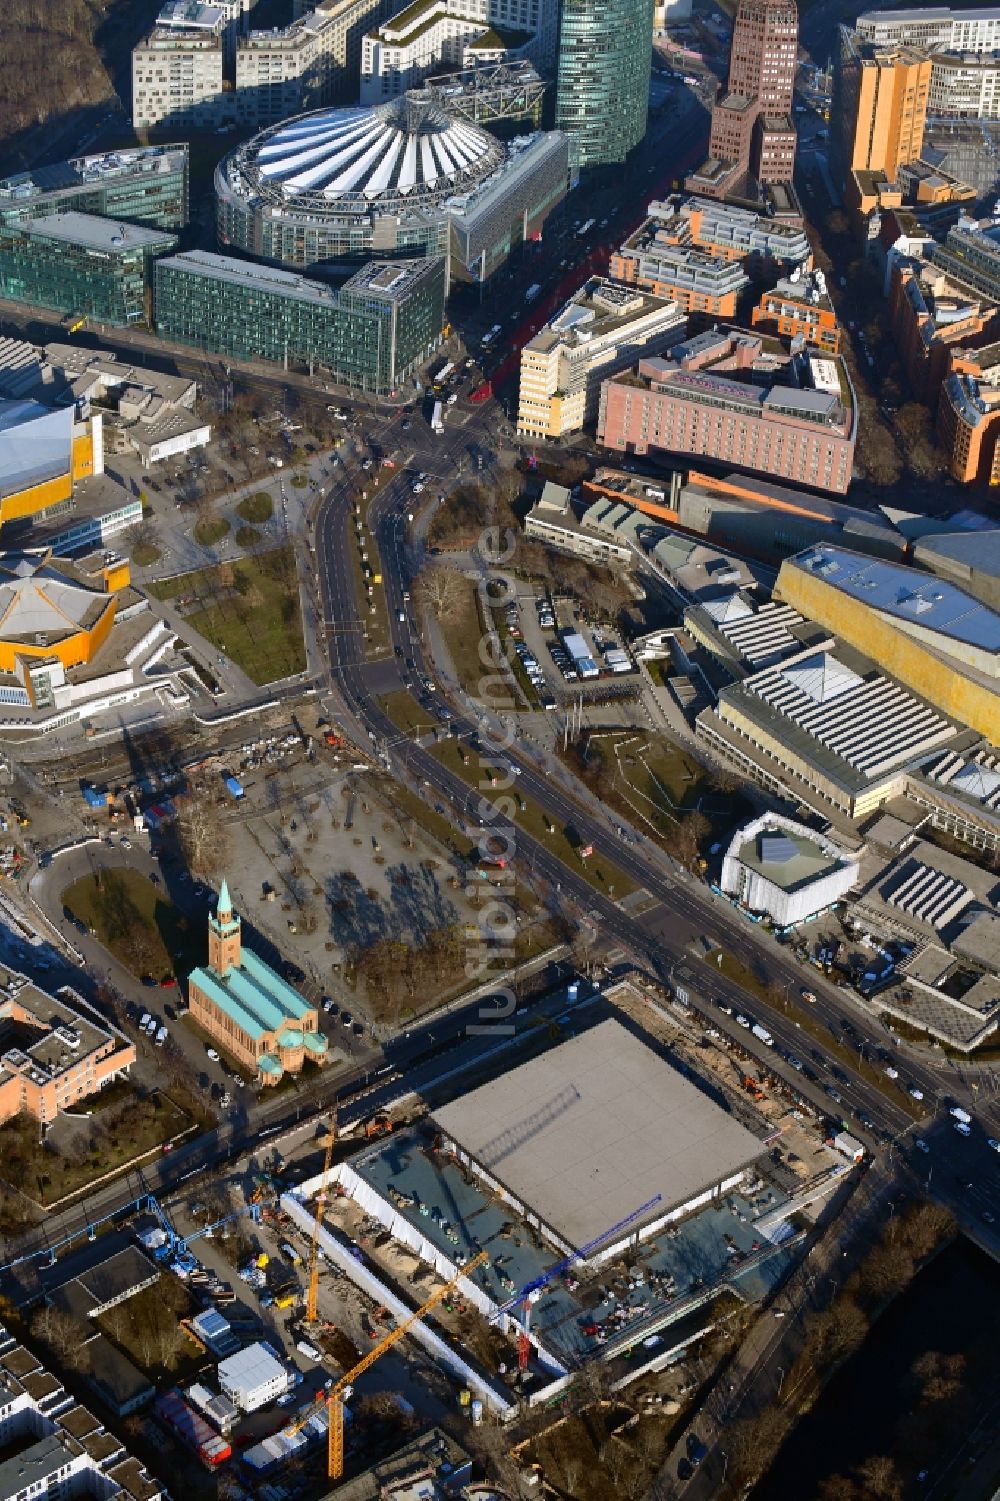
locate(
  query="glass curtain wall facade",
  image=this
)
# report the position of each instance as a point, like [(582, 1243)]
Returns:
[(107, 284), (148, 186), (602, 89), (366, 335)]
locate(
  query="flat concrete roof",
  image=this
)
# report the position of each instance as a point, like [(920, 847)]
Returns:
[(594, 1128)]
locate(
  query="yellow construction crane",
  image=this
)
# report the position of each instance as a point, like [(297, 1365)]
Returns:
[(312, 1314), (333, 1400)]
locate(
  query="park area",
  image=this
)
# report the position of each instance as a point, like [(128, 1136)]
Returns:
[(122, 1126), (249, 610), (141, 927), (659, 788)]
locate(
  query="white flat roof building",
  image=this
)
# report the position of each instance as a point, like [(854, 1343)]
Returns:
[(253, 1377), (933, 26), (594, 1129), (603, 329), (785, 871)]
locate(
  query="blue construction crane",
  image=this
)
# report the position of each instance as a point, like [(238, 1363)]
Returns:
[(531, 1290), (152, 1205), (253, 1210)]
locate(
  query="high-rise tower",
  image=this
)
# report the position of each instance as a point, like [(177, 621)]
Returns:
[(602, 88), (753, 138)]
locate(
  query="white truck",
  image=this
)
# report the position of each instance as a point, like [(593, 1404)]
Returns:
[(849, 1146), (762, 1035), (437, 418), (958, 1114)]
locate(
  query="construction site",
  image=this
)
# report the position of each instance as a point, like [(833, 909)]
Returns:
[(560, 1240), (612, 1195)]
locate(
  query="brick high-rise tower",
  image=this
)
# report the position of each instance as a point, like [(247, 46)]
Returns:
[(762, 57), (753, 139)]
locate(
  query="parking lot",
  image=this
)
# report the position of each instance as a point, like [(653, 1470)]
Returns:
[(558, 651)]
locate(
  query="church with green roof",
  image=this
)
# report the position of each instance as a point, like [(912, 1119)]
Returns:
[(247, 1008)]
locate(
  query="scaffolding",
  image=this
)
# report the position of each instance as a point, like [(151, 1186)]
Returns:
[(491, 92)]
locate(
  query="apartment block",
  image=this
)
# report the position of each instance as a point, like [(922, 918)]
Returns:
[(435, 36), (703, 401), (661, 258), (54, 1051), (964, 85), (930, 318), (178, 74), (201, 68), (602, 330), (800, 307), (971, 255), (54, 1448), (968, 416), (287, 70), (728, 231), (933, 26)]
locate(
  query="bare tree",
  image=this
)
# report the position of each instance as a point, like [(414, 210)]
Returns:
[(204, 839), (116, 1321), (880, 1478), (64, 1335), (167, 1338), (443, 591), (691, 832)]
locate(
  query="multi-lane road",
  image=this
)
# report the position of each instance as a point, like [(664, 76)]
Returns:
[(847, 1081)]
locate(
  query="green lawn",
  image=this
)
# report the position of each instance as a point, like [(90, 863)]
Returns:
[(407, 715), (256, 508), (649, 779), (247, 536), (247, 609), (561, 840), (463, 632), (210, 529), (77, 1152), (137, 923)]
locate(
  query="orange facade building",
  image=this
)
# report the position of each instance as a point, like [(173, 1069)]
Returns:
[(800, 308), (968, 416), (52, 1055)]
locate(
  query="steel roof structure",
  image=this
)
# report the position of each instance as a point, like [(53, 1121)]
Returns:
[(406, 153), (595, 1127)]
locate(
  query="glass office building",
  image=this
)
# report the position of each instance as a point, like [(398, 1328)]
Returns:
[(148, 185), (369, 333), (82, 266), (602, 88)]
